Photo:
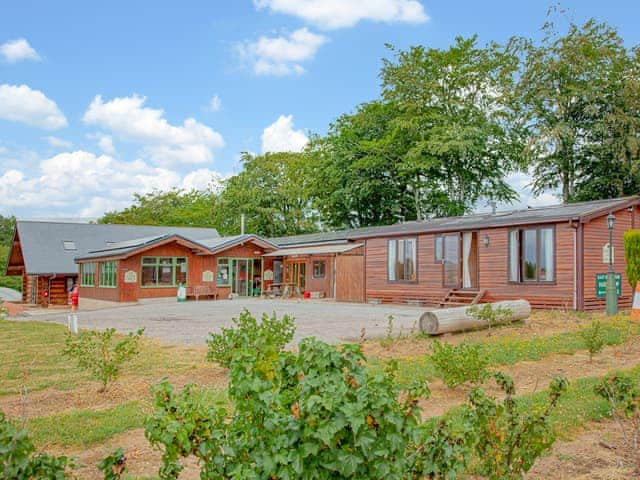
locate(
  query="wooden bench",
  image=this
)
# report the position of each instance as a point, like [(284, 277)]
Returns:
[(202, 291)]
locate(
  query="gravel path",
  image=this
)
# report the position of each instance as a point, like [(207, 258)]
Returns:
[(191, 322)]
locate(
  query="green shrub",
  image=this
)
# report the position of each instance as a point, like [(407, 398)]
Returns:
[(114, 465), (593, 338), (458, 364), (102, 353), (490, 314), (270, 334), (632, 256), (18, 459), (509, 439)]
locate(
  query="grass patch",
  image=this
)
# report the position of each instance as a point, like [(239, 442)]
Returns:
[(85, 427), (511, 350), (31, 354)]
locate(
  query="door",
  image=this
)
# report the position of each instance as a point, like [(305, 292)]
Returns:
[(451, 261), (349, 278), (470, 260), (241, 276), (296, 275)]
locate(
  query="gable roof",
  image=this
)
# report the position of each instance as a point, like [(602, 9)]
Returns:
[(43, 249), (582, 212)]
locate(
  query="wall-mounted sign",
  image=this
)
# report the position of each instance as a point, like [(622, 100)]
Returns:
[(605, 254), (207, 276), (130, 276), (267, 275), (601, 285)]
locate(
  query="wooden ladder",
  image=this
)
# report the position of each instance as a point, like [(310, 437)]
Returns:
[(460, 298)]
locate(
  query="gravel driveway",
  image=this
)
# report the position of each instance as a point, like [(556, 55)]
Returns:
[(191, 322)]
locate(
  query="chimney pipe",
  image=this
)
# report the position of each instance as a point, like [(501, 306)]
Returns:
[(242, 224)]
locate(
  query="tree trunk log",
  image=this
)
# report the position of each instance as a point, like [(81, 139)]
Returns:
[(455, 319)]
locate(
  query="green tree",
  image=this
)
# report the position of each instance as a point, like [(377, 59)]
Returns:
[(7, 227), (173, 208), (273, 191), (358, 170), (452, 108), (577, 101)]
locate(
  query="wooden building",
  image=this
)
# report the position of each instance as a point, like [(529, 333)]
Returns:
[(550, 256), (43, 253)]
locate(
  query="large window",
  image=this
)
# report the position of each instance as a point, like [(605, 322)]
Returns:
[(108, 274), (88, 274), (401, 260), (532, 255), (222, 273), (164, 271), (319, 267), (438, 248)]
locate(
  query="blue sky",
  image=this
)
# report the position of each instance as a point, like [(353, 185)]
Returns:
[(99, 100)]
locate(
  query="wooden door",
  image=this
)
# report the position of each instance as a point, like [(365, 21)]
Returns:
[(349, 275), (296, 274)]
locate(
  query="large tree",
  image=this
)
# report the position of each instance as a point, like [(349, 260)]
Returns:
[(273, 191), (452, 107), (578, 100)]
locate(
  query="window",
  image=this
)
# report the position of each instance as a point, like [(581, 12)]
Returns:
[(108, 274), (319, 268), (164, 271), (532, 255), (277, 271), (451, 260), (69, 245), (437, 248), (401, 260), (87, 274), (222, 272)]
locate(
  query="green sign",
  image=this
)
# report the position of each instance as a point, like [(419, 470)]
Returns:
[(601, 284)]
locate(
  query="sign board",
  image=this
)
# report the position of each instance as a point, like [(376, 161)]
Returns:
[(605, 254), (267, 275), (207, 276), (601, 285), (130, 276)]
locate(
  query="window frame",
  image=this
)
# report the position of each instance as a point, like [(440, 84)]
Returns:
[(157, 264), (110, 280), (438, 240), (228, 260), (554, 255), (324, 268), (415, 259), (84, 275)]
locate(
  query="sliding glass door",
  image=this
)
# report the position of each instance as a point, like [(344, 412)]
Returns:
[(241, 276), (460, 260)]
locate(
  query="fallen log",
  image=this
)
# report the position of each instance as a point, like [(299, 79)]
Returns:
[(436, 322)]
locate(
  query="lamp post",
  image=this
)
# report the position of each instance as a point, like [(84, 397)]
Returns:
[(612, 294)]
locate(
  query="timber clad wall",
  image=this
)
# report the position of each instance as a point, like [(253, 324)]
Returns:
[(596, 235), (494, 268)]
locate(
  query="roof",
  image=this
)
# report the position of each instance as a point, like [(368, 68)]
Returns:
[(582, 211), (44, 253), (222, 243), (315, 250)]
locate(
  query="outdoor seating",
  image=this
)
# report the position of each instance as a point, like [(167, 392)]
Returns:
[(202, 291)]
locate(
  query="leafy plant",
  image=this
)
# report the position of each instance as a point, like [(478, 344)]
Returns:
[(114, 465), (510, 438), (102, 353), (18, 459), (623, 395), (458, 364), (594, 338), (632, 256), (387, 341), (270, 333), (180, 424), (490, 314)]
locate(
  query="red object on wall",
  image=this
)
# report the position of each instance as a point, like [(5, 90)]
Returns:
[(306, 295), (75, 296)]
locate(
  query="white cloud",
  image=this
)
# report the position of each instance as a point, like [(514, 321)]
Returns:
[(31, 107), (333, 14), (104, 142), (18, 50), (214, 104), (165, 144), (281, 137), (83, 183), (281, 55), (203, 179), (57, 142)]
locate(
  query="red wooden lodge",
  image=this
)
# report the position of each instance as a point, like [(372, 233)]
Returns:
[(548, 255)]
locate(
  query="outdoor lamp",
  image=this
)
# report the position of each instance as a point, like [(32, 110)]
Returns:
[(612, 291), (485, 240)]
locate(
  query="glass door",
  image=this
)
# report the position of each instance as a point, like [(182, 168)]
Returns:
[(296, 276), (451, 261), (242, 276)]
